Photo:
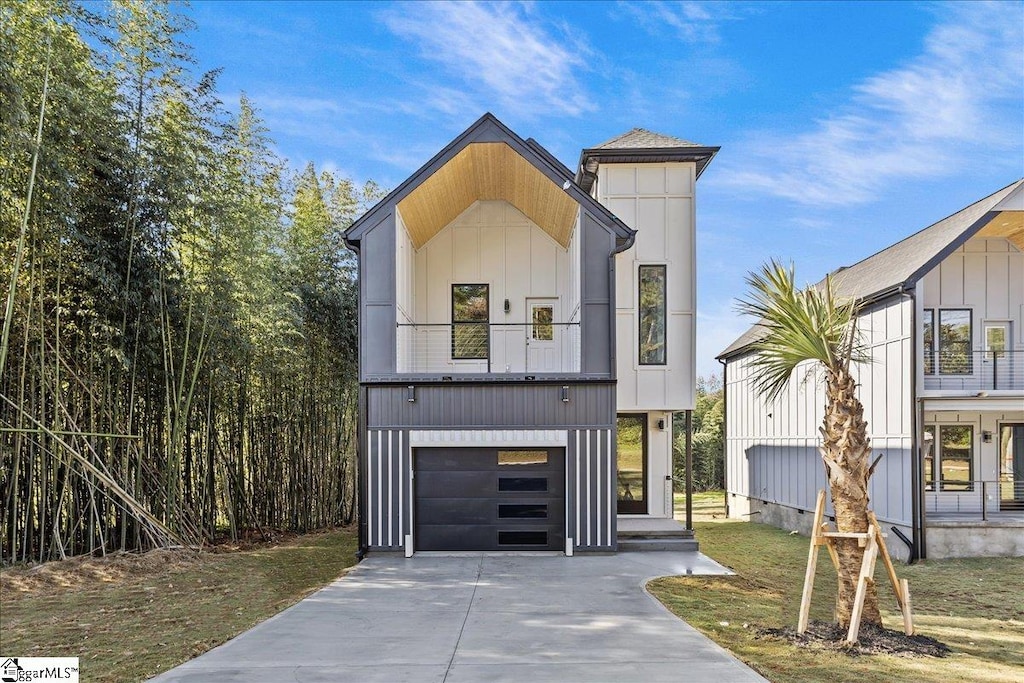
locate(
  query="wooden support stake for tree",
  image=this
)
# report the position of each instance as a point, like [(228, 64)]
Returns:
[(867, 571), (908, 621), (812, 562), (899, 587)]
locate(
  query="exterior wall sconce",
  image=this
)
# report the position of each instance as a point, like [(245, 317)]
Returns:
[(410, 394), (508, 306), (661, 424), (986, 436), (565, 394)]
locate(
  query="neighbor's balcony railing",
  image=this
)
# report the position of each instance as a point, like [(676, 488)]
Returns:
[(974, 371), (495, 348), (978, 499)]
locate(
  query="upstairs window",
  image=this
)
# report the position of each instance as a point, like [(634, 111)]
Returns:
[(652, 315), (955, 341), (470, 316), (929, 341)]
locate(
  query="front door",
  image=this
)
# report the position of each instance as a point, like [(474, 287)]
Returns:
[(1011, 467), (631, 457), (542, 337), (997, 362)]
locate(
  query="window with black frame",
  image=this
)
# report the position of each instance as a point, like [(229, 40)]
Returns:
[(652, 315), (470, 316), (949, 457), (955, 341), (929, 341)]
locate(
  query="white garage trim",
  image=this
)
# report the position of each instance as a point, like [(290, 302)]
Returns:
[(515, 438)]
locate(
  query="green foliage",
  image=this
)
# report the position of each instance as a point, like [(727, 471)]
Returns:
[(182, 338), (708, 421), (798, 325)]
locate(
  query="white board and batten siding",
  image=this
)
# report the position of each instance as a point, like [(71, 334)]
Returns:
[(490, 243), (656, 200), (590, 521), (772, 447)]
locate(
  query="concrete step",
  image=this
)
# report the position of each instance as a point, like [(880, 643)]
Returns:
[(658, 544), (654, 533)]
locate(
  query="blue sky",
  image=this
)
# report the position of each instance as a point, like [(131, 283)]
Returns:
[(844, 126)]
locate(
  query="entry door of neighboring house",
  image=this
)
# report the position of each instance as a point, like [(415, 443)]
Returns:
[(542, 336), (1011, 466), (997, 362)]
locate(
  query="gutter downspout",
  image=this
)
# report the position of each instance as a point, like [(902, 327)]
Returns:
[(917, 549), (725, 432), (363, 543)]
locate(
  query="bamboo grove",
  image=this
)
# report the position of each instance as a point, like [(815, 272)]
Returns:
[(177, 357)]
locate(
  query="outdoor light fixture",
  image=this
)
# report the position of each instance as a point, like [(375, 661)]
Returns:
[(508, 306), (986, 436), (410, 394), (565, 394), (661, 424)]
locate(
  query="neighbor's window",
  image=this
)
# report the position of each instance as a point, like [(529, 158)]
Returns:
[(470, 314), (929, 341), (950, 458), (956, 457), (652, 315), (955, 341)]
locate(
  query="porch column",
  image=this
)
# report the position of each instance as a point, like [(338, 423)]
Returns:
[(689, 470)]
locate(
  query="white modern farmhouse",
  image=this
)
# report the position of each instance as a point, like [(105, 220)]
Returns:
[(525, 335), (943, 397)]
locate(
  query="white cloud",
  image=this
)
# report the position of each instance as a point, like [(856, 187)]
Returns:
[(496, 51), (694, 22), (961, 97)]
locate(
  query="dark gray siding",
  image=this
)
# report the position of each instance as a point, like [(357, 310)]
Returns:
[(597, 290), (589, 489), (591, 485), (388, 488), (465, 406), (378, 345)]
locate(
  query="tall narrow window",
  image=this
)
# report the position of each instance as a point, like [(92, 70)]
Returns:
[(470, 315), (652, 315), (955, 341), (956, 458), (929, 341)]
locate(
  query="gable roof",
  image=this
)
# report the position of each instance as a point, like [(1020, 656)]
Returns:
[(640, 145), (536, 168), (900, 266)]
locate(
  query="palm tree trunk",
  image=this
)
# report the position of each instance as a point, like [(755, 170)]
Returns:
[(846, 452)]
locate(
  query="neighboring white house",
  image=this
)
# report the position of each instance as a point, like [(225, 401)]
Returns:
[(943, 315), (525, 336)]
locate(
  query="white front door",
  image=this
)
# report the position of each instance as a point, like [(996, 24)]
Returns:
[(542, 336), (997, 362)]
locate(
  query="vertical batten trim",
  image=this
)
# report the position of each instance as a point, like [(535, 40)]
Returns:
[(380, 488), (579, 492), (401, 491), (391, 488), (611, 493), (368, 483), (590, 476), (597, 478)]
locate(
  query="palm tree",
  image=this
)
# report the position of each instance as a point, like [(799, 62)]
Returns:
[(813, 325)]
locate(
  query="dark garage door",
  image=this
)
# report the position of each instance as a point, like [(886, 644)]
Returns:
[(490, 499)]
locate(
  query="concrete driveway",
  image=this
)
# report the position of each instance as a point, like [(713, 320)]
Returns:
[(474, 618)]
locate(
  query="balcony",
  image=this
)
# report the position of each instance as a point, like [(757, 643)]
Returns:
[(975, 372), (965, 501), (503, 349)]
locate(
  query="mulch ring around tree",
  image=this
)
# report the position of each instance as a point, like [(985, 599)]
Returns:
[(873, 640)]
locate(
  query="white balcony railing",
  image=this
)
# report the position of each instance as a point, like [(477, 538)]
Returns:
[(488, 348), (975, 371)]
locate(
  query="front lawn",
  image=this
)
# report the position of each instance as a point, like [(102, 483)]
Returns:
[(975, 606), (129, 617)]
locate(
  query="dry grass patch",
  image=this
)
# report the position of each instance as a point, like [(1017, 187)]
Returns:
[(129, 617), (975, 606)]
